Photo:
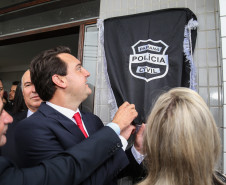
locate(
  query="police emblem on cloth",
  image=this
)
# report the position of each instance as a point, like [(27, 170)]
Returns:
[(149, 61)]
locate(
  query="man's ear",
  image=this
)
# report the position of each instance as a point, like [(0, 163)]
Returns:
[(59, 81)]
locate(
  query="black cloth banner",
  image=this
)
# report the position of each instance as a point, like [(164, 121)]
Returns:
[(149, 53)]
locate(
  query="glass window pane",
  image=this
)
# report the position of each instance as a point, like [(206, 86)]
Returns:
[(89, 62)]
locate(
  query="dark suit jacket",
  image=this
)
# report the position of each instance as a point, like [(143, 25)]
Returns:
[(8, 150), (69, 167), (48, 132), (9, 107)]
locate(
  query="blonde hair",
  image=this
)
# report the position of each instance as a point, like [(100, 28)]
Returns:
[(181, 140)]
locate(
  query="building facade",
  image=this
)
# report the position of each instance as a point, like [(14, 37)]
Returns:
[(80, 19)]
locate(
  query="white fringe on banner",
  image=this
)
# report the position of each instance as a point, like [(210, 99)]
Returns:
[(111, 97), (192, 25)]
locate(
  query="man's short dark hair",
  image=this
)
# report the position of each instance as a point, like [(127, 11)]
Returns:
[(43, 67), (15, 82)]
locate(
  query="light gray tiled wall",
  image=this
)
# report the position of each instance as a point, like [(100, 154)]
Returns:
[(207, 54)]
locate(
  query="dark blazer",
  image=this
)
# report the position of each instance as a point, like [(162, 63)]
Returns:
[(69, 167), (8, 150), (48, 132)]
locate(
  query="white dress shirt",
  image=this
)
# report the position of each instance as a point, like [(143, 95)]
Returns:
[(29, 113), (68, 113)]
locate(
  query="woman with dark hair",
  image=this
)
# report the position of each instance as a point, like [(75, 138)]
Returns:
[(19, 104), (5, 98)]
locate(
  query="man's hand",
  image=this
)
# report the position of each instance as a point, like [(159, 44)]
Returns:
[(126, 132), (125, 115), (138, 143)]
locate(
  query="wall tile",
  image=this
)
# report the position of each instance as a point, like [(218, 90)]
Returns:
[(164, 4), (203, 92), (181, 3), (220, 79), (212, 57), (224, 47), (216, 114), (201, 39), (218, 39), (223, 26), (147, 3), (203, 77), (222, 7), (217, 19), (147, 8), (116, 13), (211, 39), (201, 57), (132, 11), (224, 90), (103, 5), (200, 6), (132, 4), (224, 70), (124, 5), (172, 4), (210, 20), (139, 6), (224, 125), (192, 5), (202, 22), (214, 96), (155, 5), (195, 58), (116, 4), (213, 77), (210, 5), (216, 5)]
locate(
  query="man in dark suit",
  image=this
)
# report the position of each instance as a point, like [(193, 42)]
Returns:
[(61, 81), (71, 166), (10, 104), (32, 101)]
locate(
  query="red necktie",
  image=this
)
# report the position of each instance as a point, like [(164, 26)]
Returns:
[(78, 120)]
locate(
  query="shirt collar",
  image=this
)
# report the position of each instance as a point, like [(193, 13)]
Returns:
[(29, 113), (65, 111)]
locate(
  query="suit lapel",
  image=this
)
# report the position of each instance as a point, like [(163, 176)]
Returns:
[(68, 124), (89, 123)]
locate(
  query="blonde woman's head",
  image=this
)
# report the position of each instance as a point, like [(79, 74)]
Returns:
[(181, 140)]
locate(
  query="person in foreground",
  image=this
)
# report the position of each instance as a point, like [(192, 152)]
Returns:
[(71, 166), (181, 141)]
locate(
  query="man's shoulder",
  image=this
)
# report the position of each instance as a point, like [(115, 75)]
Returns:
[(33, 120), (90, 117), (89, 114), (19, 116), (4, 164)]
